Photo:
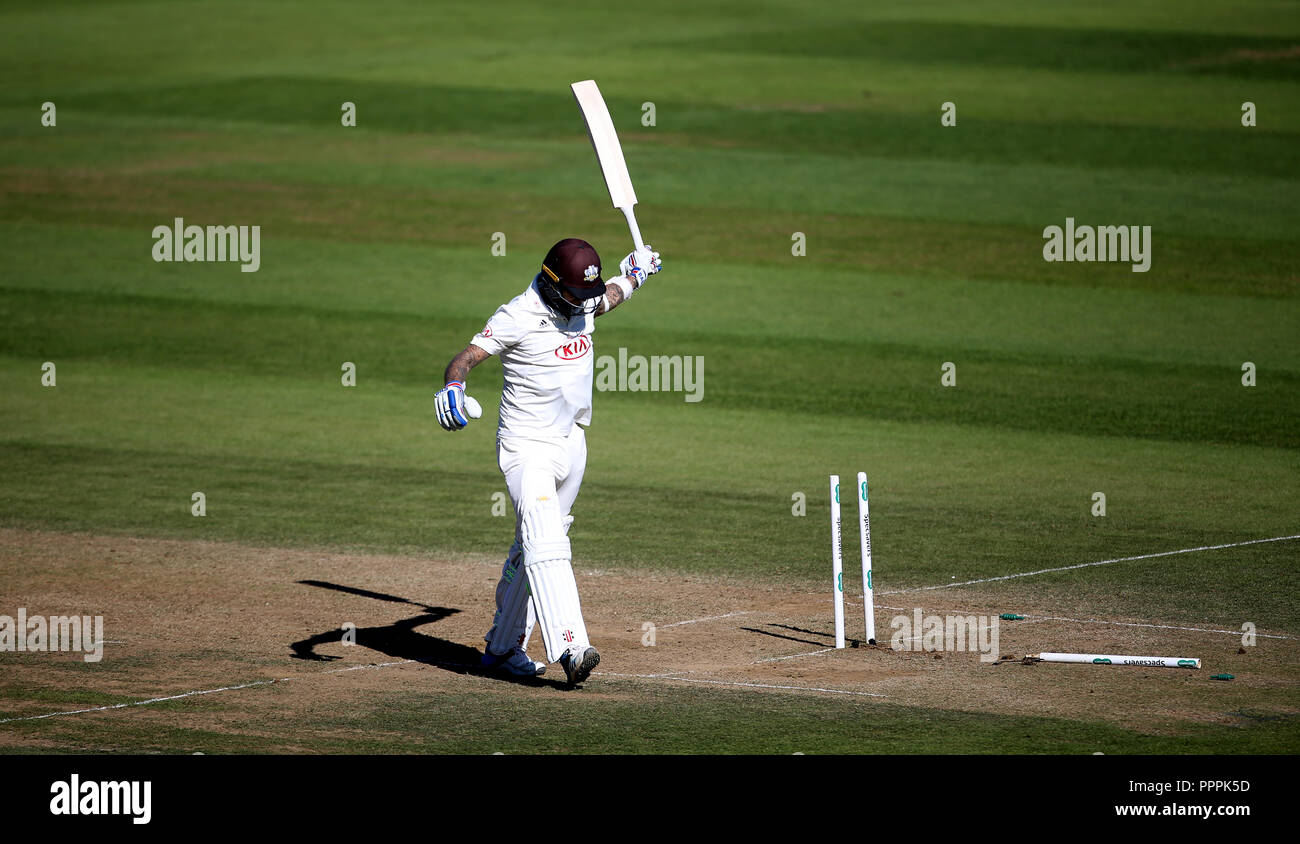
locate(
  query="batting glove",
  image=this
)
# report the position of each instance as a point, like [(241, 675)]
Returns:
[(454, 408), (640, 264)]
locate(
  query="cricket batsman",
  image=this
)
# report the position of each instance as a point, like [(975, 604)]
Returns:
[(543, 336)]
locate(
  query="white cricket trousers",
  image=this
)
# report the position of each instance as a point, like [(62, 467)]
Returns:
[(537, 584)]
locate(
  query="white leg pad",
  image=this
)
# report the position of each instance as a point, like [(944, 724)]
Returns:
[(543, 534), (513, 623), (559, 611)]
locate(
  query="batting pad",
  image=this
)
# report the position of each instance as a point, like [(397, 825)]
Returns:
[(542, 531), (559, 612), (515, 618)]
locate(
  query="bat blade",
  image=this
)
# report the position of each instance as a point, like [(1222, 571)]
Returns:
[(604, 140)]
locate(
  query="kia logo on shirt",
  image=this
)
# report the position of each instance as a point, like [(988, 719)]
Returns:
[(574, 350)]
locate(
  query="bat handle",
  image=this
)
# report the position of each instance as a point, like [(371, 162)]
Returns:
[(631, 224)]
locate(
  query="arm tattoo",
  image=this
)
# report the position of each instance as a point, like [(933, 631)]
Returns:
[(470, 357), (613, 295)]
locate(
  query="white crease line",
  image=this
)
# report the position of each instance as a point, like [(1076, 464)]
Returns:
[(745, 685), (1158, 626), (1087, 565), (138, 702), (709, 618), (1030, 616), (791, 656), (204, 692), (673, 677)]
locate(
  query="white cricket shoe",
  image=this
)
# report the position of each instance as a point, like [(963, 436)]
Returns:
[(578, 663), (515, 662)]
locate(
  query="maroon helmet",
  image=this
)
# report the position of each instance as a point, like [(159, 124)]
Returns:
[(572, 265)]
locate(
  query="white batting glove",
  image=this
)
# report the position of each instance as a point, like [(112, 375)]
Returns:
[(454, 408), (640, 264)]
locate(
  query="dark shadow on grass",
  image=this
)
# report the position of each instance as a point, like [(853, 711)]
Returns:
[(401, 640)]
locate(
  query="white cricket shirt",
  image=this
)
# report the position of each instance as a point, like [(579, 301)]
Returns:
[(547, 364)]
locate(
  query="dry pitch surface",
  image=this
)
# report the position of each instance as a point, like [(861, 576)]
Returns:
[(245, 642)]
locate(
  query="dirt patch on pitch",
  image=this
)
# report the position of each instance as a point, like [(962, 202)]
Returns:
[(183, 617)]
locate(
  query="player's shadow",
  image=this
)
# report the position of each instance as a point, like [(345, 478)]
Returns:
[(401, 640)]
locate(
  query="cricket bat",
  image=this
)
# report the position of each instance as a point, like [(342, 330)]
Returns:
[(600, 128)]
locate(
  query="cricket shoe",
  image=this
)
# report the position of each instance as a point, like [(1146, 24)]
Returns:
[(578, 663), (516, 662)]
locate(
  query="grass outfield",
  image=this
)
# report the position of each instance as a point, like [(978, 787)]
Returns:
[(923, 247)]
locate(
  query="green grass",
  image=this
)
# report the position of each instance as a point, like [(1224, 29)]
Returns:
[(924, 247)]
